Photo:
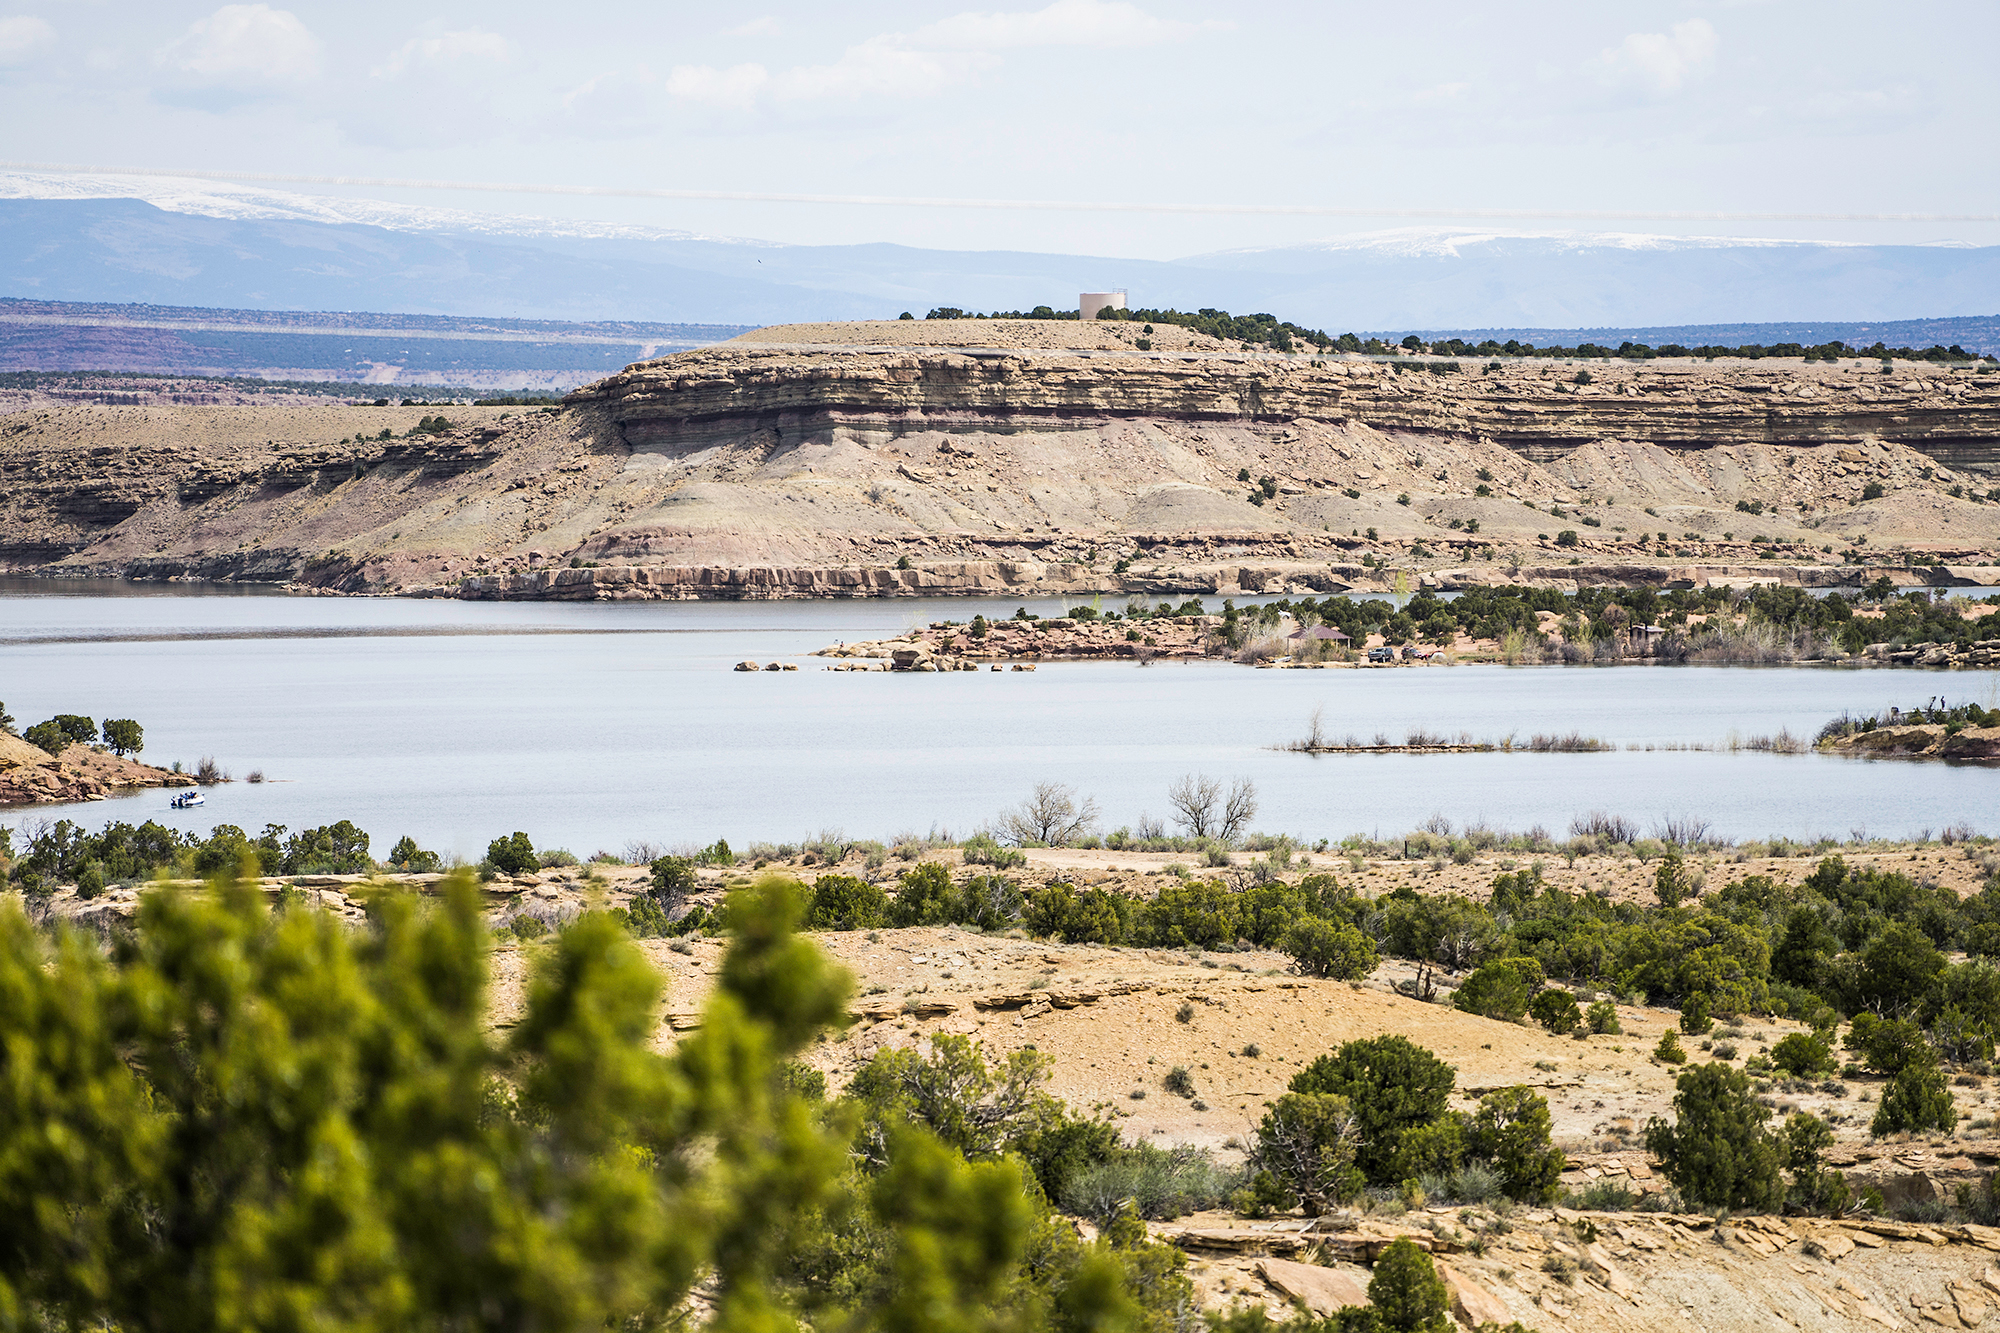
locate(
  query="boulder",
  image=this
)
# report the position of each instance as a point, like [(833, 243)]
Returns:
[(1974, 743), (1321, 1290), (747, 665), (1472, 1303), (1899, 1188)]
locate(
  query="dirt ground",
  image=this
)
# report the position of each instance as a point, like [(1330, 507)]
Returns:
[(1112, 1015)]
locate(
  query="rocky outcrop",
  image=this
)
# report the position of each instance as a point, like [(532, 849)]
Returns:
[(1923, 741), (30, 775), (943, 644), (698, 399)]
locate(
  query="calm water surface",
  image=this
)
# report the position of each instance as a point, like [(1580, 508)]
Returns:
[(592, 725)]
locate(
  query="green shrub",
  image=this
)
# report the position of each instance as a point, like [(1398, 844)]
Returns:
[(332, 849), (673, 876), (1803, 1054), (988, 902), (1916, 1098), (1406, 1293), (1511, 1130), (983, 849), (513, 855), (1266, 912), (573, 1169), (1603, 1017), (1059, 1146), (525, 928), (1886, 1045), (843, 902), (123, 736), (1500, 989), (1436, 1149), (90, 880), (1602, 1196), (1199, 912), (1056, 910), (1394, 1086), (1160, 1183), (1717, 1152), (48, 736), (1669, 1050), (923, 896), (1307, 1143), (1555, 1009), (645, 918), (409, 857), (1323, 948), (1814, 1188)]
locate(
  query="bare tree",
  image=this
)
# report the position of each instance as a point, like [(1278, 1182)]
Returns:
[(1239, 809), (1681, 831), (1194, 798), (1315, 738), (1052, 816)]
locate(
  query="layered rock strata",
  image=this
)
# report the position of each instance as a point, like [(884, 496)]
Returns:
[(753, 471), (1534, 408)]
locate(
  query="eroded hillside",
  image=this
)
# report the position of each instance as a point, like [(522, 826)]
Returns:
[(838, 460)]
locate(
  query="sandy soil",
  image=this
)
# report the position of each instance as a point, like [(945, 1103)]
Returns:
[(1113, 1017)]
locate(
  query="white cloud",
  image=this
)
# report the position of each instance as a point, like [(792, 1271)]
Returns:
[(1661, 62), (437, 48), (766, 26), (735, 87), (929, 60), (22, 37), (245, 45), (1064, 23), (876, 68)]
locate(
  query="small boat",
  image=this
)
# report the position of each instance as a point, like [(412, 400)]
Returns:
[(188, 800)]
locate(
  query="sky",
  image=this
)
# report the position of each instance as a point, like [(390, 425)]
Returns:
[(1404, 111)]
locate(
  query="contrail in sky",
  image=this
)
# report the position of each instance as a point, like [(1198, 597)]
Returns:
[(1013, 205)]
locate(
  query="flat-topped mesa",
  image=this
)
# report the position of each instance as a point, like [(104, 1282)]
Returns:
[(1036, 458), (968, 375)]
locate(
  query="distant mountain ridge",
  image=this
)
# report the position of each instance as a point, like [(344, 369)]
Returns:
[(350, 346), (190, 244)]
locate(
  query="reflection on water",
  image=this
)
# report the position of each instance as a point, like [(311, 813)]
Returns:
[(591, 725)]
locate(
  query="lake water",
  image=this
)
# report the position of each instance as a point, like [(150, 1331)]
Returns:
[(589, 726)]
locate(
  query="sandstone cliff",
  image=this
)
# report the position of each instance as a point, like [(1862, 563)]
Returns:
[(835, 460)]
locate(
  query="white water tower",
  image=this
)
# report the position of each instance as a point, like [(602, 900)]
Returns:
[(1089, 303)]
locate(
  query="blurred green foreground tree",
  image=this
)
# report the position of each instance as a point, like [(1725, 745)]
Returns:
[(244, 1121)]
